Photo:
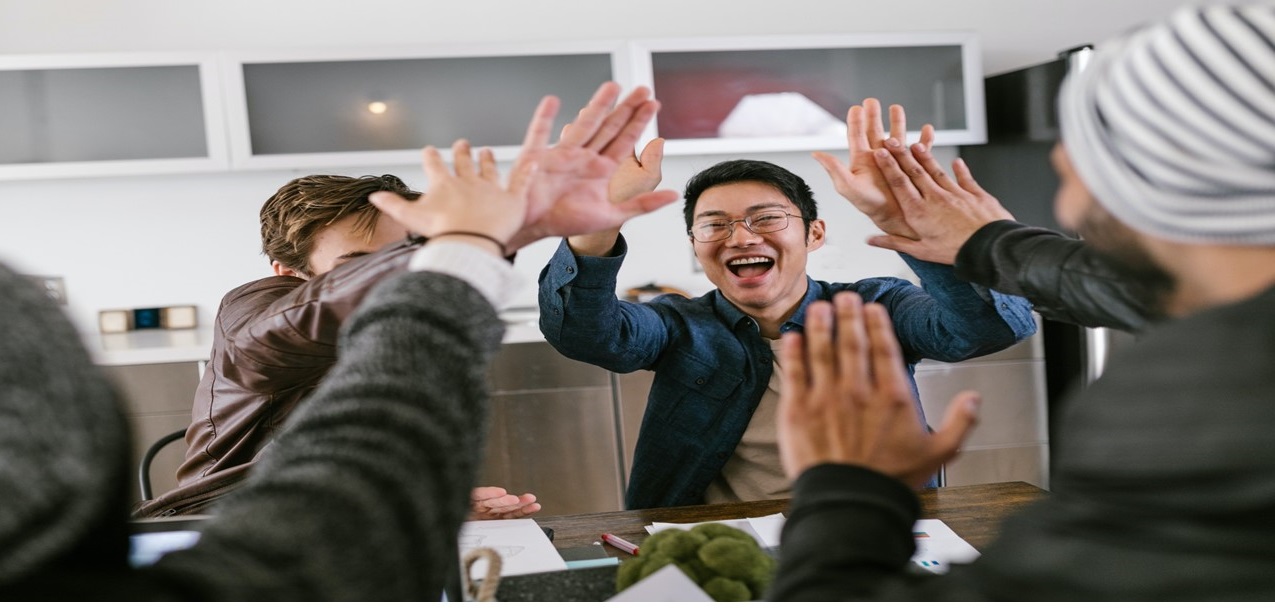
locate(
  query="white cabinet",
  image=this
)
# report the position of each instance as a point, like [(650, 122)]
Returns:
[(81, 115), (87, 115), (730, 95), (306, 109)]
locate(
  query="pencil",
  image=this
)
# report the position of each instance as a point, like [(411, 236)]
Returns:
[(620, 543)]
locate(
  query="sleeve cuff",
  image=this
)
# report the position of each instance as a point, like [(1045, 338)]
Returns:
[(974, 260), (492, 276), (600, 272)]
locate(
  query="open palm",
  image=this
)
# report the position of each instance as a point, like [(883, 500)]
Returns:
[(861, 182), (569, 193)]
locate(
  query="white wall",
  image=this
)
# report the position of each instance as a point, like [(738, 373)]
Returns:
[(155, 241)]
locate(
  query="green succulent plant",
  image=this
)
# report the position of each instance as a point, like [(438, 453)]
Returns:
[(727, 563)]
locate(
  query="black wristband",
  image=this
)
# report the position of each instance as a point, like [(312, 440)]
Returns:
[(499, 245)]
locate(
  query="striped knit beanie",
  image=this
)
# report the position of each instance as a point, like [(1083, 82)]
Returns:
[(1172, 127)]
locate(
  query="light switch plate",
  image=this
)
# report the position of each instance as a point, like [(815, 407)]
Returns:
[(115, 321), (55, 287), (178, 317)]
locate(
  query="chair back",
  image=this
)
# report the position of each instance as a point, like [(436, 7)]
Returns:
[(144, 467)]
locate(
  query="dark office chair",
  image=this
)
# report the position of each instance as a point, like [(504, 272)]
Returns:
[(144, 468)]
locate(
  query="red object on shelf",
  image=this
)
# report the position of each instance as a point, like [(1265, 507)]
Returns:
[(693, 103)]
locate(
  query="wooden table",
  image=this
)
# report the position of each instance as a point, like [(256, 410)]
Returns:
[(973, 512)]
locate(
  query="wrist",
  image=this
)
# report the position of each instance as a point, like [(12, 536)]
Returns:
[(477, 239), (524, 237), (598, 244)]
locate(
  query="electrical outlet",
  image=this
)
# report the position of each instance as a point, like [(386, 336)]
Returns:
[(55, 287)]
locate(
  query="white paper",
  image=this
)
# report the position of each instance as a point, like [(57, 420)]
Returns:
[(523, 546), (668, 584), (769, 528), (147, 547), (937, 546), (765, 530)]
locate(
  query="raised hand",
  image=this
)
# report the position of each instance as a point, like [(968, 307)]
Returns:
[(847, 399), (569, 195), (635, 176), (496, 503), (861, 182), (470, 200), (942, 212)]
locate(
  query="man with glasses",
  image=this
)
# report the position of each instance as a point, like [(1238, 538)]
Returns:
[(709, 434)]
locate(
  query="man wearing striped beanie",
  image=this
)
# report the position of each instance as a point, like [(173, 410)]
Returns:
[(1164, 482)]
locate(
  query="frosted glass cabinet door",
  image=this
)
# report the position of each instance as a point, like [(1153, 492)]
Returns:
[(63, 119), (792, 93), (383, 110)]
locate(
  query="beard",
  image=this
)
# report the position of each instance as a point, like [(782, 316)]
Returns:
[(1121, 246)]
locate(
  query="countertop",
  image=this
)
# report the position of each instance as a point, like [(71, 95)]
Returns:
[(146, 346), (149, 346)]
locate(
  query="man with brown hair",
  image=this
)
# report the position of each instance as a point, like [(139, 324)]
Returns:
[(362, 496), (316, 222), (275, 338)]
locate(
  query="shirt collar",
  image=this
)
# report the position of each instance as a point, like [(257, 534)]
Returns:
[(814, 291), (734, 316)]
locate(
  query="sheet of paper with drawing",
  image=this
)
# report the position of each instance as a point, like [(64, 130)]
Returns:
[(521, 543), (937, 546), (764, 529)]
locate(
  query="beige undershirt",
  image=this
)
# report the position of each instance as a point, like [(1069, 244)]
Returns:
[(753, 471)]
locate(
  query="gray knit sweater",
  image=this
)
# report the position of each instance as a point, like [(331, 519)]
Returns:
[(360, 498)]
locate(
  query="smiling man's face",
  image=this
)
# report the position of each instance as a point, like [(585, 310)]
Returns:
[(763, 275)]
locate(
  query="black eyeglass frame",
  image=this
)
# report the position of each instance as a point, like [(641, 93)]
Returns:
[(747, 221)]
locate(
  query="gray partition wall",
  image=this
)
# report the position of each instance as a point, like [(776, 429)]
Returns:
[(553, 431)]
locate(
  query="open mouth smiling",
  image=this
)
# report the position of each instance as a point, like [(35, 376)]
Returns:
[(749, 267)]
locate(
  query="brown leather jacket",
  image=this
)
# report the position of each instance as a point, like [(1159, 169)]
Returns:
[(274, 339)]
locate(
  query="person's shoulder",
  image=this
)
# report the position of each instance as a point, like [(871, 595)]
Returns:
[(392, 259), (257, 288), (678, 312), (250, 300), (867, 281), (870, 288), (685, 303)]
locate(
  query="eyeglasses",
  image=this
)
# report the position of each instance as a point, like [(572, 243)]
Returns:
[(757, 223)]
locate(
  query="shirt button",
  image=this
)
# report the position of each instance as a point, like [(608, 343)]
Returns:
[(571, 270), (700, 381)]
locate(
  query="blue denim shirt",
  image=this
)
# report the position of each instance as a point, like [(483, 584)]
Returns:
[(712, 366)]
